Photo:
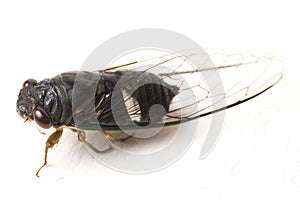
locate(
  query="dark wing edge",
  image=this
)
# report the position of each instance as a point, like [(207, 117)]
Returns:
[(253, 74)]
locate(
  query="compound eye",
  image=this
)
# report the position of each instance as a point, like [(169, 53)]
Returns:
[(29, 82), (42, 119)]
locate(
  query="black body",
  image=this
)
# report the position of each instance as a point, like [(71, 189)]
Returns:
[(77, 97)]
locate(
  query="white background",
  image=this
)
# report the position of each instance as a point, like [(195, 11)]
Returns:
[(257, 156)]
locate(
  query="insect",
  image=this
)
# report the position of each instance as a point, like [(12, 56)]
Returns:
[(121, 97)]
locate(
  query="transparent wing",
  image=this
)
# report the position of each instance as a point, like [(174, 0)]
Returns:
[(207, 82)]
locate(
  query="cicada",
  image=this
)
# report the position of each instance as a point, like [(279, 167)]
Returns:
[(121, 97)]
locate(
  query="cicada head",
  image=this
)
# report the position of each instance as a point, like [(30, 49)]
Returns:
[(34, 102)]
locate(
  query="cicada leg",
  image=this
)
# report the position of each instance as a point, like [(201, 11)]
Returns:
[(81, 137), (112, 138), (109, 136), (52, 140)]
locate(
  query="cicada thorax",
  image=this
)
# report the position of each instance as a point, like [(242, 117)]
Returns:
[(63, 85)]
